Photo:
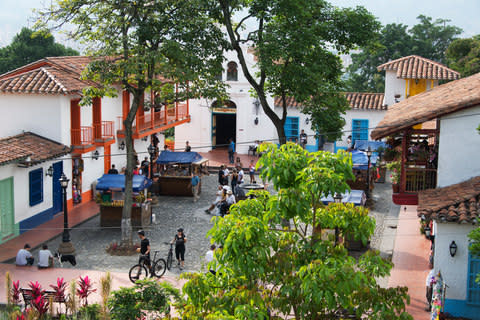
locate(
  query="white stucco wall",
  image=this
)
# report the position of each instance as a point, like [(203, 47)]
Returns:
[(40, 114), (373, 116), (459, 149), (393, 86), (199, 131), (22, 207), (453, 269)]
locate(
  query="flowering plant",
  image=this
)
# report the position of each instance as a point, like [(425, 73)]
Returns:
[(394, 168)]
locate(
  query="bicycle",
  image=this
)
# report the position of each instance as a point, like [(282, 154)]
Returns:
[(140, 271), (169, 255)]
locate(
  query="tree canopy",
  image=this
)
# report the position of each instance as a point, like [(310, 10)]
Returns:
[(28, 46), (293, 42), (143, 46), (463, 55), (429, 39), (297, 270)]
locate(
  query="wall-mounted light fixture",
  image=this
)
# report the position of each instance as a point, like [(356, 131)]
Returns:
[(397, 98), (95, 155), (307, 120), (453, 249), (121, 146), (145, 138), (49, 172), (255, 121), (428, 231)]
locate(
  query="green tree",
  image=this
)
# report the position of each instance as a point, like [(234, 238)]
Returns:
[(28, 46), (293, 42), (463, 55), (429, 39), (294, 270), (137, 45)]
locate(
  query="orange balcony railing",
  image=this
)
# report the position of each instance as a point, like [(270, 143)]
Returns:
[(104, 130), (82, 136)]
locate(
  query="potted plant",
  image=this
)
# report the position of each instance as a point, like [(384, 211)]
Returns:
[(394, 168)]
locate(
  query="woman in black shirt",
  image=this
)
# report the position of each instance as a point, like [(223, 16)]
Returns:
[(180, 239)]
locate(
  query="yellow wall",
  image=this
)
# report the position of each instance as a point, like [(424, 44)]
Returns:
[(417, 86)]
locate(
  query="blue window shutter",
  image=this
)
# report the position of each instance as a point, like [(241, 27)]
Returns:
[(473, 288), (359, 129), (291, 128), (36, 186)]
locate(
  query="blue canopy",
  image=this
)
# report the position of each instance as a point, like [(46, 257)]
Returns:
[(364, 144), (166, 157), (116, 182), (357, 197), (360, 160)]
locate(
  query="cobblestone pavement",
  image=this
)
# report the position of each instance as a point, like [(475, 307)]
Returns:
[(172, 213)]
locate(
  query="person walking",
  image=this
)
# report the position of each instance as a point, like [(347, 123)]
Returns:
[(234, 180), (251, 171), (144, 249), (45, 257), (195, 184), (303, 139), (180, 239), (24, 257), (231, 151)]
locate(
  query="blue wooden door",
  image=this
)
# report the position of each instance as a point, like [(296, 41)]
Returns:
[(57, 189)]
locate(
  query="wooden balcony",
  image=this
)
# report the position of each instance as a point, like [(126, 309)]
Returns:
[(82, 140), (156, 121), (104, 133)]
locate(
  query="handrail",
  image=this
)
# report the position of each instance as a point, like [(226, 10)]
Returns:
[(82, 136), (418, 179)]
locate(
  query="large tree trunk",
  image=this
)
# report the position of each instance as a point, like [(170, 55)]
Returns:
[(126, 224)]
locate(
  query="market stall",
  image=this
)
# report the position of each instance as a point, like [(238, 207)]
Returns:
[(357, 197), (174, 172), (110, 195), (360, 166)]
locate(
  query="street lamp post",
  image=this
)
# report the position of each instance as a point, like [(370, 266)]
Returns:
[(151, 151), (66, 246), (337, 198), (369, 155)]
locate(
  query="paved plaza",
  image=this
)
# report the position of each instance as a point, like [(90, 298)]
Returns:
[(171, 213)]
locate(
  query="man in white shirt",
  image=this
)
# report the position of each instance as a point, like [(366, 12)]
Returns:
[(24, 257), (241, 175), (45, 257), (217, 200), (209, 258), (230, 198)]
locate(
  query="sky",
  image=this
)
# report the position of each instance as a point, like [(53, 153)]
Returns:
[(15, 14)]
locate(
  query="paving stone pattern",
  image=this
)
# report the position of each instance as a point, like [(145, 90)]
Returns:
[(171, 213)]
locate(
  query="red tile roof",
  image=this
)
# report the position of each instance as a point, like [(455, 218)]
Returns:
[(456, 203), (357, 100), (57, 75), (27, 144), (416, 67), (447, 98)]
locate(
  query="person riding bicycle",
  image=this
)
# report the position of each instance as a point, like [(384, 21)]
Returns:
[(180, 239), (144, 249)]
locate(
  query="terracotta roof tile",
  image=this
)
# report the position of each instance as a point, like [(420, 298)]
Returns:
[(357, 100), (456, 203), (416, 67), (27, 144), (444, 99)]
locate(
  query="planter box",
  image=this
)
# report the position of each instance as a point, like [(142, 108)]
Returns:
[(112, 216)]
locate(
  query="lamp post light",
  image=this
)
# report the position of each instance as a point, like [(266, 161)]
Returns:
[(369, 155), (337, 198), (66, 247), (151, 152), (453, 249)]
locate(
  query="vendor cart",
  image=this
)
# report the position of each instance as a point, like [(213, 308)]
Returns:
[(175, 171), (110, 195)]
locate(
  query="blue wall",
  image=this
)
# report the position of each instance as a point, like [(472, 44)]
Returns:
[(460, 308), (36, 220)]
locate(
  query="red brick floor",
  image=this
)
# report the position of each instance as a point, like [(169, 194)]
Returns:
[(410, 258), (48, 230), (219, 156)]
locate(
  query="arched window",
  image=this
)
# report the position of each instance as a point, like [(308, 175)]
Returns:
[(232, 71)]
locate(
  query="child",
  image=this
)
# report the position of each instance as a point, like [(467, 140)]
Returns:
[(251, 170)]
